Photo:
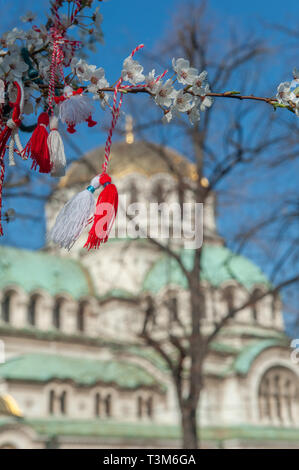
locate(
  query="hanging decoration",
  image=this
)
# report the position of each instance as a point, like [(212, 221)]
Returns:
[(37, 146), (106, 210), (74, 108), (75, 215), (56, 149), (10, 130)]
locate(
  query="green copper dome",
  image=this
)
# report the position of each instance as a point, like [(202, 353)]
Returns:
[(219, 264), (36, 270)]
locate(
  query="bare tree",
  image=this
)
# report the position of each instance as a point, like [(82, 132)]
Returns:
[(250, 143)]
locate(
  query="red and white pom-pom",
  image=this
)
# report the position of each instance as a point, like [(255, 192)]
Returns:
[(37, 146), (74, 108), (56, 149), (105, 213)]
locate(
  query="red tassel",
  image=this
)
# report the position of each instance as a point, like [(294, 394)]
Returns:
[(71, 128), (37, 147), (90, 122), (105, 214)]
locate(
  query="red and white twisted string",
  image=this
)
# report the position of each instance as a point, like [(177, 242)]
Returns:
[(115, 114), (58, 36), (116, 108)]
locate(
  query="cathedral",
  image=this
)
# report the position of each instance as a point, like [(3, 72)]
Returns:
[(73, 371)]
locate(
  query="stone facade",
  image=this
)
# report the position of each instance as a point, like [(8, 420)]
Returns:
[(74, 366)]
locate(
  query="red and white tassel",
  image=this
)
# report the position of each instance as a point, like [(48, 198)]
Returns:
[(105, 213), (74, 108), (74, 216), (37, 146), (56, 149)]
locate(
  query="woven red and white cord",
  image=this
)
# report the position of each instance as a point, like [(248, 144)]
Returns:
[(57, 34), (116, 108), (115, 114)]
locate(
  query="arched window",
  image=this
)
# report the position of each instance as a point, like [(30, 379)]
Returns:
[(145, 407), (57, 313), (6, 306), (172, 304), (139, 407), (97, 404), (133, 193), (255, 305), (149, 407), (159, 192), (81, 316), (51, 402), (103, 405), (278, 396), (32, 310), (63, 402), (229, 299), (108, 406)]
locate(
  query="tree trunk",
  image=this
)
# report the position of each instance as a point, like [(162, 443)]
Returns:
[(189, 426)]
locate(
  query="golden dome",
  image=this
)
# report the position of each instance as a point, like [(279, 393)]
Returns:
[(9, 407), (141, 157)]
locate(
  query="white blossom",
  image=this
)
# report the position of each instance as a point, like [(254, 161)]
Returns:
[(182, 102), (97, 18), (82, 69), (193, 113), (97, 80), (103, 98), (165, 93), (132, 71), (34, 40), (199, 83), (150, 81), (11, 37), (185, 73), (43, 67), (284, 94), (168, 116), (28, 18), (13, 65), (98, 36), (207, 101), (28, 105)]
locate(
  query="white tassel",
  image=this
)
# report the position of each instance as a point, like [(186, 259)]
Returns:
[(56, 149), (74, 216), (75, 108)]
